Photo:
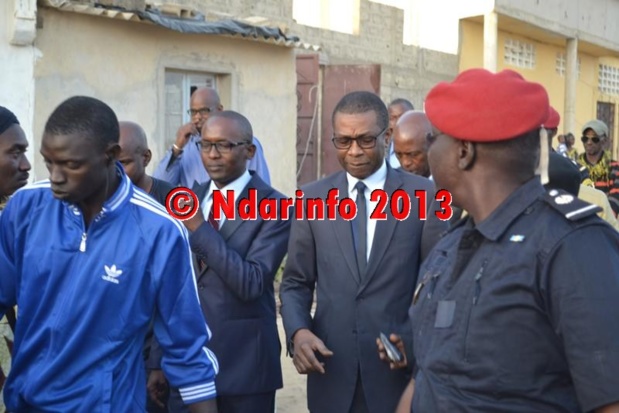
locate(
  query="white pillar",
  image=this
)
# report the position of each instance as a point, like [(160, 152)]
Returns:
[(491, 41), (571, 80)]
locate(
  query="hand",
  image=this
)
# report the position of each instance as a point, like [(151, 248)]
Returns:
[(194, 222), (305, 343), (157, 387), (184, 133), (397, 340)]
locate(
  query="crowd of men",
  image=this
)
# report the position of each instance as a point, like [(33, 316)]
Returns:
[(112, 305)]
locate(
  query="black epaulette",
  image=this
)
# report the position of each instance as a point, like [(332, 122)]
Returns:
[(570, 206)]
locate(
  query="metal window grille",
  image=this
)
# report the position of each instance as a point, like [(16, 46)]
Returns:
[(608, 82), (519, 54)]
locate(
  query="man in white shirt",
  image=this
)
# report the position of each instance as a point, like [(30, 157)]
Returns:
[(364, 271)]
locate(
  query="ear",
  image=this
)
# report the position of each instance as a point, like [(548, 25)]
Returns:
[(388, 136), (251, 151), (466, 154), (112, 153), (220, 107), (148, 155)]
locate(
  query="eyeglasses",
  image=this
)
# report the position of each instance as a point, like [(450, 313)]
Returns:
[(201, 111), (586, 139), (364, 142), (221, 147)]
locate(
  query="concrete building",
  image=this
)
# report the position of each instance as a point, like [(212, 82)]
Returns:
[(145, 72), (58, 48), (569, 46)]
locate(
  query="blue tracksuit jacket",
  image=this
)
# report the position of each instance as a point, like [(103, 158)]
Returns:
[(85, 299)]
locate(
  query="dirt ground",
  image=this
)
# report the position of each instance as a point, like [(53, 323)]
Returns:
[(290, 399)]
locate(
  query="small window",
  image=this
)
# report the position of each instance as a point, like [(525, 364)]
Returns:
[(561, 62), (609, 79), (519, 54)]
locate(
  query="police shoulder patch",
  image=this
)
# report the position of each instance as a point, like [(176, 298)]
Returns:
[(570, 206)]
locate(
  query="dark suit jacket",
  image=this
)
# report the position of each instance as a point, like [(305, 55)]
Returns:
[(351, 313), (237, 297)]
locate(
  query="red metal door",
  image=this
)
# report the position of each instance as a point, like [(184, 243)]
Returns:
[(308, 118), (338, 80)]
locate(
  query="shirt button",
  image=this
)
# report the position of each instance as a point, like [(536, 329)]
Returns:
[(201, 286)]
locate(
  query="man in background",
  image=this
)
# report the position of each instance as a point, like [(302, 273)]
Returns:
[(182, 164), (135, 157), (396, 108), (410, 142), (14, 167)]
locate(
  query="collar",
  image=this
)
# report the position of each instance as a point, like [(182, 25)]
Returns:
[(516, 203), (374, 181), (236, 186), (118, 198)]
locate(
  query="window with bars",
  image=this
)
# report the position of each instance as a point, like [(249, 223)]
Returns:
[(561, 62), (519, 54), (179, 85), (608, 79)]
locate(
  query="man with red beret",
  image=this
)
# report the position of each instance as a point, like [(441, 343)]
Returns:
[(509, 315)]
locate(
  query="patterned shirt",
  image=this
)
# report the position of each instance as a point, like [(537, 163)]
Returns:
[(604, 173)]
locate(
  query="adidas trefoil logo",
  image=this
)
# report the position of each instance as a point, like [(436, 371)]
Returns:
[(112, 274)]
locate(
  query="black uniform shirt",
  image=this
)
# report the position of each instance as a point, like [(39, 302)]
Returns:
[(520, 313)]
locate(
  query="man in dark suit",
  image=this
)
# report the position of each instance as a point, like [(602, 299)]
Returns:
[(236, 261), (364, 271)]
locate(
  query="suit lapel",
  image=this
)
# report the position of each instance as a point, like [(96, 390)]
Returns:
[(343, 230), (384, 229), (230, 226)]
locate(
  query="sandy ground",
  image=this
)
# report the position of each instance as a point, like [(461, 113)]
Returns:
[(292, 398)]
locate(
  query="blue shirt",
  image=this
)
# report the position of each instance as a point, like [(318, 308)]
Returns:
[(188, 168), (86, 298)]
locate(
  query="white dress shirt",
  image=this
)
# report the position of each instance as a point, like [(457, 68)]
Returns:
[(237, 186), (392, 158), (372, 182)]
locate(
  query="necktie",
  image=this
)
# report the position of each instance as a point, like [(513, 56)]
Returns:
[(214, 224), (361, 229), (212, 221)]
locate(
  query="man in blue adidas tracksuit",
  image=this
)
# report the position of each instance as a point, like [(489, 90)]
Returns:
[(89, 259)]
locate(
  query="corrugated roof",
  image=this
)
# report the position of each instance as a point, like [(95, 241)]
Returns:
[(228, 28)]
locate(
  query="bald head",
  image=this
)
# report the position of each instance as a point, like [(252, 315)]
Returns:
[(134, 152), (132, 137), (410, 144), (204, 101)]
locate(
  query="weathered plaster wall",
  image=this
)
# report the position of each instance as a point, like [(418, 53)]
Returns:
[(16, 73), (123, 64)]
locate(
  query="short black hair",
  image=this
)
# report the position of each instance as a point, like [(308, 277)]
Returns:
[(402, 102), (86, 116), (7, 119), (361, 102), (521, 154), (247, 133)]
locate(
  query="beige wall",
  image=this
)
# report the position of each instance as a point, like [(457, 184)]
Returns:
[(471, 47), (123, 64), (594, 21), (16, 81), (406, 71)]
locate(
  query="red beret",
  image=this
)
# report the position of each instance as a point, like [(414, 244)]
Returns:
[(553, 119), (481, 106)]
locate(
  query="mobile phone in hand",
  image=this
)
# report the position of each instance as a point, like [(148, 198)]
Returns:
[(392, 351)]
